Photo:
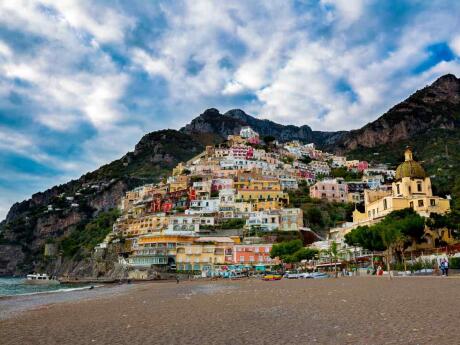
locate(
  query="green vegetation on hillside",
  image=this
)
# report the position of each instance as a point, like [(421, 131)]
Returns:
[(346, 174), (319, 214), (85, 237), (292, 251), (154, 157)]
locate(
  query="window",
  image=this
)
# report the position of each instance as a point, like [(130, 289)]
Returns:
[(419, 186), (397, 189), (385, 206), (432, 202), (411, 204), (420, 203)]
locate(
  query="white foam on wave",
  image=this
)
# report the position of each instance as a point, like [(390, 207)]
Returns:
[(54, 291)]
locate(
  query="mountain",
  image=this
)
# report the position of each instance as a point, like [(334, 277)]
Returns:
[(212, 122), (29, 225), (436, 106), (427, 120)]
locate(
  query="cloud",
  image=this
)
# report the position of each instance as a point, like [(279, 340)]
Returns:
[(82, 81)]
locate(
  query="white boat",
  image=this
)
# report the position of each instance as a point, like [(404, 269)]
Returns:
[(41, 279)]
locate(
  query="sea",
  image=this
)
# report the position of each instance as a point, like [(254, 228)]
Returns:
[(11, 286)]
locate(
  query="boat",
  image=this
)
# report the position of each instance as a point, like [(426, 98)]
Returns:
[(271, 277), (41, 279)]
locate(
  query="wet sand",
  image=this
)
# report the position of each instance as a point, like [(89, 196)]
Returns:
[(328, 311)]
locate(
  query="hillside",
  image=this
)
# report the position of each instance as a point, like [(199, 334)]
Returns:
[(435, 106), (30, 224)]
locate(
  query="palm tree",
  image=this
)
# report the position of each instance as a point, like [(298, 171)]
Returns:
[(333, 253), (391, 236)]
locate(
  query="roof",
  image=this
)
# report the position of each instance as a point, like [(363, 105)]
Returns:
[(409, 168), (215, 239)]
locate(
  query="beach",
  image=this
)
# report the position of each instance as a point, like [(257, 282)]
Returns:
[(368, 310)]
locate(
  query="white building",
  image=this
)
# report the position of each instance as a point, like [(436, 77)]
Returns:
[(288, 183), (187, 224), (247, 132), (203, 206), (263, 221)]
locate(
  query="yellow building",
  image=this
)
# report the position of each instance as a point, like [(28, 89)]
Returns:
[(205, 253), (411, 189), (263, 199), (179, 182), (146, 224), (178, 170), (263, 192)]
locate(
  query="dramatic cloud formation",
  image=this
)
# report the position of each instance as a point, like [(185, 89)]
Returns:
[(81, 81)]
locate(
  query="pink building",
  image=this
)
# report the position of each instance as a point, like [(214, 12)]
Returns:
[(254, 140), (242, 151), (362, 166), (332, 190), (253, 254), (221, 183)]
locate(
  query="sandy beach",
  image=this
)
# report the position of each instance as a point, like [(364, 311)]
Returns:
[(329, 311)]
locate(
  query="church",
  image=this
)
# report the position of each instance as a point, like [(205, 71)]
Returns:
[(410, 189)]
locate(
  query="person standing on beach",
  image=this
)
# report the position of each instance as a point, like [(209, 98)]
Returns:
[(441, 267)]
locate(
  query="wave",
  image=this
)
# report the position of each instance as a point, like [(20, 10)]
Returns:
[(54, 291)]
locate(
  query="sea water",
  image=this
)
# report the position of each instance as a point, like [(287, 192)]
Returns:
[(16, 286)]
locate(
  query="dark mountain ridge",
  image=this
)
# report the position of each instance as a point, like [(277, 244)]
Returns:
[(435, 106), (222, 125)]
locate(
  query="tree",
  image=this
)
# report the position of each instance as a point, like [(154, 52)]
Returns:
[(268, 139), (305, 159), (292, 251), (391, 236), (333, 253)]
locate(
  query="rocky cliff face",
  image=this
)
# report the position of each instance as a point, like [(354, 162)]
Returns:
[(55, 213), (435, 106), (222, 125)]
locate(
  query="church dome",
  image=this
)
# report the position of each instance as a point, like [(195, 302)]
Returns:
[(409, 168)]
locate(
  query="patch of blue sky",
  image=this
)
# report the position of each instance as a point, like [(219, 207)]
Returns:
[(20, 164), (435, 53), (344, 87)]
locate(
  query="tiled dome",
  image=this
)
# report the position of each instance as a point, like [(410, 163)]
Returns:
[(409, 168)]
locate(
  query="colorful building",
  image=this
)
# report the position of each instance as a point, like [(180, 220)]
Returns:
[(332, 190)]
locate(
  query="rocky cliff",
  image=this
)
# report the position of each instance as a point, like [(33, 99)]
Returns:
[(56, 213), (212, 122), (435, 106)]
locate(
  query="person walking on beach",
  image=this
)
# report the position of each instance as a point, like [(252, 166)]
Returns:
[(446, 267)]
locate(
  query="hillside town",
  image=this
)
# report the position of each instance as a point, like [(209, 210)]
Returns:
[(222, 211)]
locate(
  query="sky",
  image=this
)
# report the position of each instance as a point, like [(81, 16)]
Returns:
[(81, 81)]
